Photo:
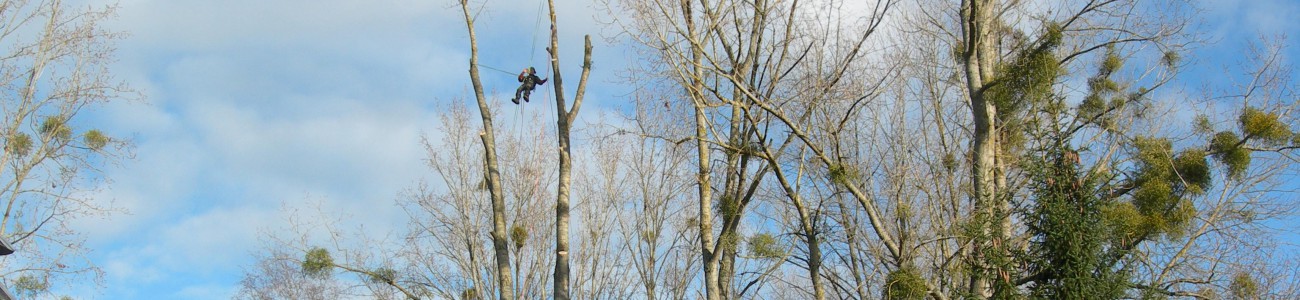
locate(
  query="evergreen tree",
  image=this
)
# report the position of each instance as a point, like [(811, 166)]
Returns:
[(1070, 236)]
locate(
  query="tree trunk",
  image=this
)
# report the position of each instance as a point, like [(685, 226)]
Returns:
[(806, 220), (814, 252), (705, 221), (703, 178), (561, 280), (493, 176), (564, 122), (977, 21)]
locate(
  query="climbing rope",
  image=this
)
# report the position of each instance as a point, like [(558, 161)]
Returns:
[(537, 24), (532, 60), (519, 109), (495, 69)]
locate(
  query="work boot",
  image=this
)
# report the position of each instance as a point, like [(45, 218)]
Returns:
[(515, 100)]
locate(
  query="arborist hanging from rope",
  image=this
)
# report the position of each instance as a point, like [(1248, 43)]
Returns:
[(529, 80)]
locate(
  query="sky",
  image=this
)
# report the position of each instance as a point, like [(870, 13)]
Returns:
[(251, 108)]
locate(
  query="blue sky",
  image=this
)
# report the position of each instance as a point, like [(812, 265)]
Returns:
[(252, 106)]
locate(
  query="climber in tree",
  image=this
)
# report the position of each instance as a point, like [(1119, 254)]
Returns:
[(529, 78)]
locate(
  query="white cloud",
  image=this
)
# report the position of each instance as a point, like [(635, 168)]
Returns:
[(147, 187), (1246, 19), (253, 104), (211, 25)]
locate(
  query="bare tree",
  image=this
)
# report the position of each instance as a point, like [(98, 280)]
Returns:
[(654, 225), (492, 174), (1225, 245), (444, 251), (564, 123), (279, 275), (449, 227), (55, 65), (447, 243), (734, 60), (599, 255), (834, 155)]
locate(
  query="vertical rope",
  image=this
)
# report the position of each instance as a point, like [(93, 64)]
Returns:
[(550, 94), (537, 24), (519, 109), (532, 61), (541, 130)]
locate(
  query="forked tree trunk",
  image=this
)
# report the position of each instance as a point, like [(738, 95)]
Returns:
[(564, 121), (806, 225)]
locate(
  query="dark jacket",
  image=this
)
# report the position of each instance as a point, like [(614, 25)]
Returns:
[(530, 81)]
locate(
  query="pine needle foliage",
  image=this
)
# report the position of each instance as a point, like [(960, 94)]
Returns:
[(1069, 222)]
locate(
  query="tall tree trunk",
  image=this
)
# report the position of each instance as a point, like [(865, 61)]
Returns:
[(703, 178), (814, 252), (564, 121), (561, 280), (705, 221), (806, 224), (493, 176), (979, 54), (855, 259)]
